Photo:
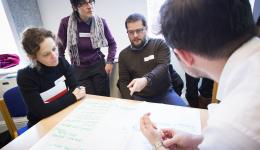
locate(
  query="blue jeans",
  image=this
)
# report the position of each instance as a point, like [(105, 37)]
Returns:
[(170, 98)]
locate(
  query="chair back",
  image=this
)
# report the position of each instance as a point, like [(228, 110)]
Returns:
[(12, 105), (15, 103), (214, 93), (8, 119)]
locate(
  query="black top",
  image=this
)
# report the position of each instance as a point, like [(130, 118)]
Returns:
[(258, 21), (151, 62), (33, 81)]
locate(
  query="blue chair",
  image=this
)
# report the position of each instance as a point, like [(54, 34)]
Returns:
[(13, 106)]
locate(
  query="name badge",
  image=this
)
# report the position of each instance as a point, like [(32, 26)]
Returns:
[(54, 93), (148, 58), (84, 34), (61, 79)]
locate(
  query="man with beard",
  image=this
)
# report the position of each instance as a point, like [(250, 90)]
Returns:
[(143, 66)]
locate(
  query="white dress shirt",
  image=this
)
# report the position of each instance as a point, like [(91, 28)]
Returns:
[(235, 122)]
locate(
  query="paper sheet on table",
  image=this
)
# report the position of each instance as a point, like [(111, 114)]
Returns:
[(113, 125), (90, 126), (164, 116)]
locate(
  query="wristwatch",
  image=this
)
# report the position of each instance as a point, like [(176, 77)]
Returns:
[(157, 145)]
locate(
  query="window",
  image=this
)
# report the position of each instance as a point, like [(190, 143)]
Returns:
[(252, 2), (7, 40), (153, 8)]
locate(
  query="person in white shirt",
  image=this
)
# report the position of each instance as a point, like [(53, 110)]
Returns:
[(217, 40)]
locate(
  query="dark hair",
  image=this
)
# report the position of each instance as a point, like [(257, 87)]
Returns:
[(76, 3), (135, 17), (211, 28), (33, 37)]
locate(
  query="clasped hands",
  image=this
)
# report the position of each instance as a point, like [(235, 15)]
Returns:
[(79, 92)]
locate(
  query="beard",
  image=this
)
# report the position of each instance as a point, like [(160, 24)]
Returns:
[(140, 46)]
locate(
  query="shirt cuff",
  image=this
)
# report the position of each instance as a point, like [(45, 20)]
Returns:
[(149, 81)]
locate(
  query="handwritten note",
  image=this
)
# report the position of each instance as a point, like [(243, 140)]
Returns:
[(113, 125), (91, 122)]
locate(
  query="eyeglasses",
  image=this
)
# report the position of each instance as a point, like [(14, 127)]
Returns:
[(137, 31), (90, 2)]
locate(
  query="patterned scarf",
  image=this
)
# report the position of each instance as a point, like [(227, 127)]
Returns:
[(97, 33), (97, 36)]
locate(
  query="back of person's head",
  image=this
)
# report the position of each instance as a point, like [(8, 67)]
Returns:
[(210, 28), (33, 37), (76, 3), (135, 17)]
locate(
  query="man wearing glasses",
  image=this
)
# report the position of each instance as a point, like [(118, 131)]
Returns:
[(143, 66)]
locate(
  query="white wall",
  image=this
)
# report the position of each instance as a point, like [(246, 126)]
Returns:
[(52, 11)]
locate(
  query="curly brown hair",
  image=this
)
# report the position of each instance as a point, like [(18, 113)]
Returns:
[(33, 37)]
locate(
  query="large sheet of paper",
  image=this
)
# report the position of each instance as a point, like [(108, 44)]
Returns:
[(114, 125)]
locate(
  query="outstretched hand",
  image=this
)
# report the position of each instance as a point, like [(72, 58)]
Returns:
[(137, 85)]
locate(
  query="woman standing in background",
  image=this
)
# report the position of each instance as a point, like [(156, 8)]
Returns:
[(83, 34)]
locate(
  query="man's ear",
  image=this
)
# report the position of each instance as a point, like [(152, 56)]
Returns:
[(184, 56)]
